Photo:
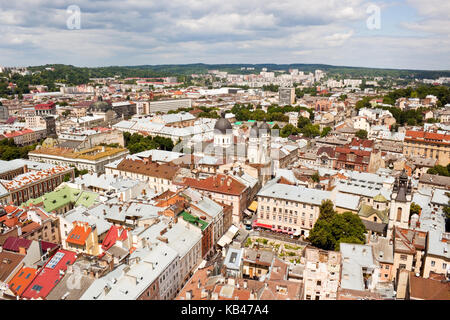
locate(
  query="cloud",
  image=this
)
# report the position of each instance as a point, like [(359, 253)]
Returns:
[(130, 32)]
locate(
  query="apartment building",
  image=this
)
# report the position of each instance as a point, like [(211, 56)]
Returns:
[(222, 189), (286, 96), (321, 274), (93, 159), (409, 250), (159, 176), (34, 184), (289, 209), (428, 145), (26, 137), (166, 105)]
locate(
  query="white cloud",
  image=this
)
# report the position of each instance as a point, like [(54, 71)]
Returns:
[(130, 32)]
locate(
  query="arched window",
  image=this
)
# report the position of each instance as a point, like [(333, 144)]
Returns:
[(399, 214)]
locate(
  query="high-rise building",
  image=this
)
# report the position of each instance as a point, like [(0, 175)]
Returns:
[(286, 96)]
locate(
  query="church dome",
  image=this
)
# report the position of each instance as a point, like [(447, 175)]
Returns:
[(379, 198), (223, 124)]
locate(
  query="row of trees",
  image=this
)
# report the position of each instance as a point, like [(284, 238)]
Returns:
[(10, 151), (440, 170), (441, 92)]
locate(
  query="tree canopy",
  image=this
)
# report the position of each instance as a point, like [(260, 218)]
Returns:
[(362, 134), (138, 143), (332, 228)]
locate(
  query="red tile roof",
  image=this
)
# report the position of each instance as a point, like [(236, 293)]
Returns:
[(114, 234), (219, 183), (427, 136), (14, 243), (17, 133), (79, 233), (44, 106), (49, 275), (21, 280)]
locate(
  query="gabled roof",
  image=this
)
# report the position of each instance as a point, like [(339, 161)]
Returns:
[(219, 183), (49, 275), (114, 234), (79, 233), (14, 243), (428, 289), (21, 280)]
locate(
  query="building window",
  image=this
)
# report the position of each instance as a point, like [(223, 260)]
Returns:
[(403, 257), (433, 263), (399, 214)]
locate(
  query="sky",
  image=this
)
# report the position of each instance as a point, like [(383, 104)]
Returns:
[(403, 34)]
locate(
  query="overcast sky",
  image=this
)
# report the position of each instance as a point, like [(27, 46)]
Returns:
[(413, 34)]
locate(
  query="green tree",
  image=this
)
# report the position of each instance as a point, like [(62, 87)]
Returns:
[(288, 130), (302, 122), (310, 130), (325, 132), (67, 177), (362, 134), (415, 209), (332, 228), (315, 177), (440, 170), (326, 208)]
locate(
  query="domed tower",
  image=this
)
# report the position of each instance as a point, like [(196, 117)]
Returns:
[(223, 132), (400, 203), (264, 140), (253, 145), (259, 144)]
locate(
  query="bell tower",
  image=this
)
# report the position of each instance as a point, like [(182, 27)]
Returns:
[(400, 203)]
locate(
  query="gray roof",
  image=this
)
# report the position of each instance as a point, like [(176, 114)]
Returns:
[(128, 282), (181, 237), (435, 180), (355, 257), (223, 125), (347, 201), (233, 258), (432, 219), (294, 193)]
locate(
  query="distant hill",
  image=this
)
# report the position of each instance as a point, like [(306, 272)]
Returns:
[(199, 68)]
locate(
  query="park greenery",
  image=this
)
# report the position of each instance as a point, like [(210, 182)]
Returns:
[(138, 143), (10, 151), (440, 170), (245, 112), (332, 228)]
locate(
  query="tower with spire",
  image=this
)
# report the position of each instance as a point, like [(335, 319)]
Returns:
[(400, 203)]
